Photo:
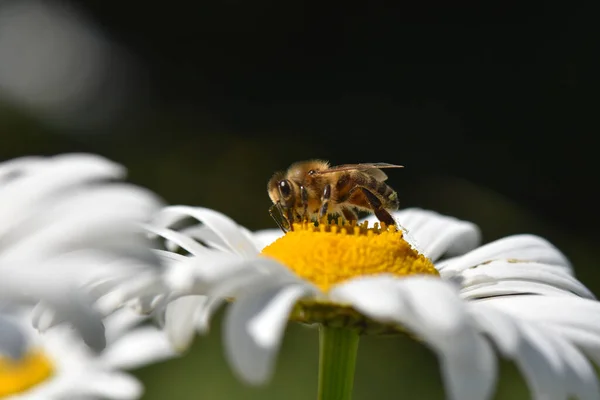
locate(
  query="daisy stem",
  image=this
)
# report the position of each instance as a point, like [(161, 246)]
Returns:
[(337, 359)]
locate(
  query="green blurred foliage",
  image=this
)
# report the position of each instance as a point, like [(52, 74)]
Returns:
[(390, 367)]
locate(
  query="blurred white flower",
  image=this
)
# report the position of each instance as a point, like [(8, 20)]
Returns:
[(57, 365), (517, 295), (67, 222), (60, 66)]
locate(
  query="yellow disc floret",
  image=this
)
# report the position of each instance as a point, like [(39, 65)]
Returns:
[(18, 375), (328, 254)]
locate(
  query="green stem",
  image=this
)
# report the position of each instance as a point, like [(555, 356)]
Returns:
[(337, 359)]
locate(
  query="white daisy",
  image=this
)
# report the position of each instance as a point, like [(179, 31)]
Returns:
[(66, 221), (57, 365), (517, 295)]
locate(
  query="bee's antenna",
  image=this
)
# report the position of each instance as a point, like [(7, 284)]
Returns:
[(278, 217)]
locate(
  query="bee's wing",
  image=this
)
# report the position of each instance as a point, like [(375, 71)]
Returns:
[(373, 169), (376, 173)]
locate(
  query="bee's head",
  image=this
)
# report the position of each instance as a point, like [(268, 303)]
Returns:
[(283, 191)]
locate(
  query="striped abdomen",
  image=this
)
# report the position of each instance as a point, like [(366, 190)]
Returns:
[(348, 186)]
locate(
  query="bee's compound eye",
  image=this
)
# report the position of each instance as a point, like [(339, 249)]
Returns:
[(285, 188)]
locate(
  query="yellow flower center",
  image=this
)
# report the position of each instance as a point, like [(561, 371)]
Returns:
[(16, 376), (329, 254)]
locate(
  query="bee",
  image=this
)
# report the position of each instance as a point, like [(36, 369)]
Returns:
[(312, 190)]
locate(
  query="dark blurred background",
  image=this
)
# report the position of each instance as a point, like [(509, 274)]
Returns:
[(492, 110)]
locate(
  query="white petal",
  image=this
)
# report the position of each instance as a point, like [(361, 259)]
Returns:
[(120, 323), (438, 303), (253, 330), (240, 284), (572, 318), (57, 174), (571, 311), (146, 285), (552, 366), (16, 167), (542, 366), (179, 239), (205, 313), (143, 346), (180, 276), (436, 313), (509, 287), (497, 271), (389, 299), (431, 309), (469, 367), (265, 237), (377, 297), (209, 238), (437, 235), (179, 320), (71, 305), (196, 275), (588, 342), (99, 286), (581, 377), (266, 327), (111, 385), (223, 270), (168, 256), (44, 317), (517, 247), (104, 217), (434, 234), (12, 338), (85, 319), (225, 228), (148, 304), (500, 327)]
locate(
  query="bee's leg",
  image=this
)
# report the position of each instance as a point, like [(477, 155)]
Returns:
[(380, 212), (304, 197), (325, 201), (349, 215), (289, 215)]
